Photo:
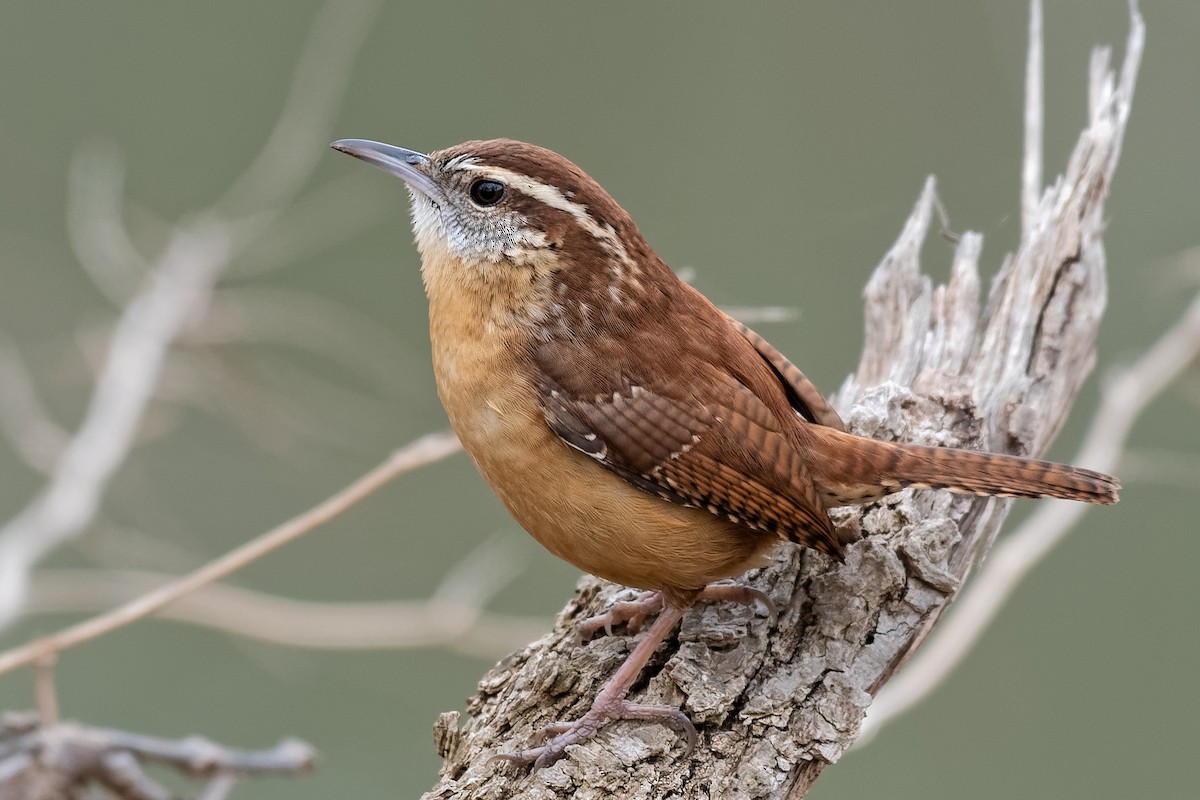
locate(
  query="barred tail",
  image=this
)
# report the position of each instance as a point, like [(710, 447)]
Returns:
[(851, 469)]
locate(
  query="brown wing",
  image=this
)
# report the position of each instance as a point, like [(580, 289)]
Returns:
[(802, 394), (705, 440)]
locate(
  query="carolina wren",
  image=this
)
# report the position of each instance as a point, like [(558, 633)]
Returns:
[(630, 426)]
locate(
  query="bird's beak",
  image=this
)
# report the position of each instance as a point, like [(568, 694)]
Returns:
[(406, 164)]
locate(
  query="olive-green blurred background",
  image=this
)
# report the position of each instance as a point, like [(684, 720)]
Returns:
[(774, 148)]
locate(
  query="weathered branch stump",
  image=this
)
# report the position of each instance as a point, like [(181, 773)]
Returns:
[(775, 704)]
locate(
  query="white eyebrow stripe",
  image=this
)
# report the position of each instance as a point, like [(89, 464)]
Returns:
[(551, 196), (460, 162)]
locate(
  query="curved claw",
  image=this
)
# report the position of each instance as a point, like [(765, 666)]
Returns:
[(672, 717), (632, 612), (521, 759), (548, 757), (551, 730), (741, 594)]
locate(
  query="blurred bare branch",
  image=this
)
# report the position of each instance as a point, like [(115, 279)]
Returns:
[(1161, 467), (453, 617), (297, 142), (1182, 269), (95, 228), (62, 760), (758, 314), (24, 420), (1031, 169), (747, 314), (44, 689), (306, 321), (276, 405), (317, 221), (421, 452), (113, 546), (219, 787), (178, 290), (160, 299)]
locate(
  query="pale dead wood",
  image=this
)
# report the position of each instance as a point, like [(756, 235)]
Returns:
[(775, 706), (1126, 395)]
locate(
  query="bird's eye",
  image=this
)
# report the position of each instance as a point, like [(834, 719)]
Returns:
[(486, 192)]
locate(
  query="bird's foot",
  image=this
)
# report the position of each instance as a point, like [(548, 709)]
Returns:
[(562, 735), (634, 613), (610, 704), (741, 594)]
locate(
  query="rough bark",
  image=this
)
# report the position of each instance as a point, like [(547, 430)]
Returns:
[(775, 704)]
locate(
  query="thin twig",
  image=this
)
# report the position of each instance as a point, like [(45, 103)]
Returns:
[(199, 756), (423, 451), (758, 314), (316, 222), (176, 292), (44, 689), (1161, 467), (459, 626), (69, 756), (1031, 169), (304, 321), (1124, 399), (453, 616), (95, 228)]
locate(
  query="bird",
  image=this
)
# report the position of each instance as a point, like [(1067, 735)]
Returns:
[(634, 429)]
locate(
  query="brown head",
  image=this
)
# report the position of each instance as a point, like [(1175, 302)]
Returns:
[(505, 213)]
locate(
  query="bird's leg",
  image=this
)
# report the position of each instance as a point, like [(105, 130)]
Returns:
[(635, 612), (610, 704)]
